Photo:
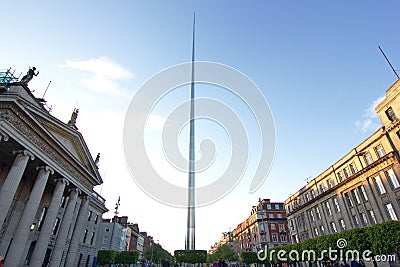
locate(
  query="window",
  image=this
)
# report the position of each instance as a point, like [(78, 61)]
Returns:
[(346, 173), (390, 114), (85, 236), (322, 229), (355, 220), (291, 225), (96, 219), (330, 183), (283, 237), (105, 240), (372, 216), (390, 211), (316, 231), (355, 196), (333, 227), (380, 151), (62, 202), (312, 194), (392, 178), (342, 224), (107, 229), (271, 215), (336, 203), (318, 214), (277, 206), (274, 238), (307, 197), (353, 168), (80, 259), (273, 226), (368, 159), (41, 219), (364, 219), (348, 199), (92, 238), (340, 178), (322, 187), (281, 227), (362, 192), (328, 208), (379, 185), (279, 216), (312, 216), (269, 206), (55, 227), (89, 215)]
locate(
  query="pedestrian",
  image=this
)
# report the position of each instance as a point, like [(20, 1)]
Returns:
[(215, 264), (166, 263)]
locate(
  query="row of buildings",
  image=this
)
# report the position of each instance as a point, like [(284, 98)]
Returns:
[(360, 189), (50, 215)]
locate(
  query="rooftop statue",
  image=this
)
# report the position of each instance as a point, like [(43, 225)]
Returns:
[(29, 75), (74, 116)]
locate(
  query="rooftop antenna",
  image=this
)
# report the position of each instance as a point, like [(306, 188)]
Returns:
[(307, 179), (45, 91), (394, 71)]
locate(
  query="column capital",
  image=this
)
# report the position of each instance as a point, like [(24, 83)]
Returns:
[(46, 168), (24, 152), (4, 136), (61, 180), (76, 189)]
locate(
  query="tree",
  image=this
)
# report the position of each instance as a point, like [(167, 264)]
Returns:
[(224, 252), (191, 256)]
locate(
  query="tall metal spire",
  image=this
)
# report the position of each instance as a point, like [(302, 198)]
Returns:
[(190, 236)]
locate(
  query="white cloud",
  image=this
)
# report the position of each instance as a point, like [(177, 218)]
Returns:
[(104, 74), (371, 121)]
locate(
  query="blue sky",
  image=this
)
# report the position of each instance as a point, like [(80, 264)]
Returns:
[(316, 62)]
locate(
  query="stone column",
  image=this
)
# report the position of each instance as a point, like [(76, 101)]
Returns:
[(77, 235), (10, 186), (48, 224), (17, 251), (64, 227)]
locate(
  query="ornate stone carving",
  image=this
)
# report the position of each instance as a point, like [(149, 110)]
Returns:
[(25, 153), (4, 136), (32, 133)]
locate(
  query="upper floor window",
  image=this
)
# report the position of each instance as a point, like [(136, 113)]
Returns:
[(333, 227), (318, 214), (368, 159), (312, 194), (322, 187), (274, 238), (342, 224), (336, 202), (283, 238), (348, 199), (390, 114), (55, 226), (307, 197), (41, 219), (328, 208), (362, 192), (316, 231), (346, 173), (269, 206), (273, 226), (372, 216), (271, 215), (379, 185), (312, 216), (330, 183), (355, 196), (85, 236), (390, 211), (89, 215), (281, 227), (394, 182), (322, 229), (353, 168), (279, 216), (380, 151), (339, 175), (277, 206)]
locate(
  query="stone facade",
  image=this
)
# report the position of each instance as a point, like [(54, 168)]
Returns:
[(361, 189), (48, 208)]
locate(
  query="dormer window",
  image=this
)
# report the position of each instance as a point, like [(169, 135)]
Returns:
[(390, 114)]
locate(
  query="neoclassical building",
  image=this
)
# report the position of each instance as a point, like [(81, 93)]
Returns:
[(360, 189), (49, 212)]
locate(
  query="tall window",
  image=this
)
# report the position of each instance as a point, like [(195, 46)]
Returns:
[(316, 231), (89, 215), (312, 216), (281, 227), (333, 227), (283, 237), (394, 182), (342, 224), (380, 151), (307, 197), (336, 203), (330, 183), (85, 236), (368, 159), (379, 185), (390, 211), (277, 206), (364, 219), (274, 238), (318, 214), (348, 199), (312, 194), (55, 227), (362, 192), (273, 226), (328, 208), (92, 238), (353, 168), (355, 220), (87, 261), (80, 259), (322, 229), (372, 216), (269, 206), (339, 175), (322, 187), (390, 114), (346, 173), (355, 195)]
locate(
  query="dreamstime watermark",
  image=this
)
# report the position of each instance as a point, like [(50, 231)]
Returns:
[(155, 89), (332, 254)]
